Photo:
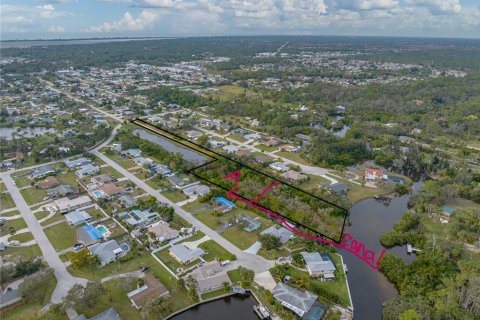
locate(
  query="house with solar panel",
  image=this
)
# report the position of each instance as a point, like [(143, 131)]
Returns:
[(138, 218)]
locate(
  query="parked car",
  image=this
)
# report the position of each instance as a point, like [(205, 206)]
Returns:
[(52, 209), (78, 246), (14, 243), (145, 269)]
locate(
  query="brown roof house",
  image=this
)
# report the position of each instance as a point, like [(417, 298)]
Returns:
[(48, 182), (293, 175), (111, 189), (152, 288), (162, 231)]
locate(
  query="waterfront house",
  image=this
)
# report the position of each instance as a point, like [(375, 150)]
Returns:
[(319, 264), (210, 276), (109, 314), (184, 255), (282, 233), (152, 288), (302, 303), (373, 174)]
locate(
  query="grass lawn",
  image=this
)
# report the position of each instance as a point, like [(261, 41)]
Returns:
[(17, 224), (273, 254), (215, 251), (22, 237), (292, 156), (111, 172), (235, 276), (22, 253), (313, 182), (266, 148), (21, 182), (33, 195), (242, 239), (6, 201), (61, 236), (55, 218), (433, 227), (175, 195), (193, 206), (41, 214), (2, 187), (95, 213), (236, 136), (171, 263), (10, 213), (68, 178), (126, 163), (197, 236), (213, 294), (356, 193)]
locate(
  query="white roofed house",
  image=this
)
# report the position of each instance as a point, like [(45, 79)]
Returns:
[(77, 217), (319, 264), (65, 205), (279, 166), (304, 304), (184, 255), (77, 163), (87, 170)]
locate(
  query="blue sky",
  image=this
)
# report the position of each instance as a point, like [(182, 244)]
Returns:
[(34, 19)]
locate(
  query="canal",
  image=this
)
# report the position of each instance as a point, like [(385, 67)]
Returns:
[(231, 308), (370, 219)]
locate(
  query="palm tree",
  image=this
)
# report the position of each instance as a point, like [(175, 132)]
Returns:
[(92, 262)]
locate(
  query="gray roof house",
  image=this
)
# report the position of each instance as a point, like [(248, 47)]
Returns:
[(60, 190), (87, 170), (76, 218), (109, 314), (41, 172), (293, 299), (199, 189), (77, 163), (106, 251), (338, 188), (319, 264), (127, 200), (184, 255), (132, 153), (10, 298), (279, 166), (281, 232)]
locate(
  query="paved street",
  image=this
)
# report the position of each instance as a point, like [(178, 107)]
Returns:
[(64, 279), (251, 261)]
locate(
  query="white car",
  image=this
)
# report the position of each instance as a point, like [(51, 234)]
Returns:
[(14, 243), (52, 209)]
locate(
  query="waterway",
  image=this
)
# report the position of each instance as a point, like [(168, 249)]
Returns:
[(187, 154), (27, 132), (231, 308), (370, 219)]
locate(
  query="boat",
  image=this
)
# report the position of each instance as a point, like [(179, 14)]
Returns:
[(261, 312)]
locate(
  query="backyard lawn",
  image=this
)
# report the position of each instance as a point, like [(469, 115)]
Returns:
[(61, 236), (16, 224), (68, 178), (216, 251), (238, 137), (22, 237), (21, 253), (313, 182), (23, 181), (171, 263), (213, 294), (292, 156), (6, 201), (56, 217), (33, 195)]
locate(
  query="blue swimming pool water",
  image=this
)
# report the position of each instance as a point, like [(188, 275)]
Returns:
[(102, 229), (224, 202), (97, 193)]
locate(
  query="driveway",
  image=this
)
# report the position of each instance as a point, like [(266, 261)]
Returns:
[(64, 279)]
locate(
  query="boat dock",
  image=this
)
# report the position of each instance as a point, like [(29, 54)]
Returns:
[(261, 312)]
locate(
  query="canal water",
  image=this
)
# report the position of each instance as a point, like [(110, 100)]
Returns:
[(370, 219), (231, 308), (187, 154)]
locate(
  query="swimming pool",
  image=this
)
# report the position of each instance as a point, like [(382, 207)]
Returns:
[(97, 194), (103, 230), (224, 202)]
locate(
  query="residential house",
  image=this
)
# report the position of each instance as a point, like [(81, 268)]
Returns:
[(299, 302), (87, 170), (263, 159), (198, 189), (117, 146), (48, 182), (272, 142), (230, 149), (141, 161), (184, 255), (109, 314), (101, 179), (373, 174), (319, 264), (216, 143), (294, 176), (152, 288), (111, 189), (162, 231), (137, 217), (338, 188), (41, 172), (107, 252), (253, 136), (250, 223), (244, 153), (131, 153), (177, 182), (10, 300), (194, 134), (160, 169), (65, 205), (72, 164), (127, 200), (77, 217), (289, 148), (279, 166), (210, 276), (282, 233), (61, 190), (88, 235), (448, 211)]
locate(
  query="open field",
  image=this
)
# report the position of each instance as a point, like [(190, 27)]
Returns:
[(62, 236)]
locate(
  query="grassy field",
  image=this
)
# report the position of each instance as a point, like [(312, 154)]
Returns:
[(61, 236), (33, 195), (292, 156), (2, 187), (22, 253), (6, 201), (17, 224), (216, 252), (213, 294), (175, 195), (273, 254), (238, 137), (356, 193), (10, 213), (111, 172), (41, 214), (68, 178), (55, 218), (22, 237), (265, 148), (235, 276), (194, 206), (313, 182), (23, 181)]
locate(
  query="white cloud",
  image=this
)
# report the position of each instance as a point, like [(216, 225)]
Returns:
[(144, 20), (438, 6), (359, 5), (56, 29)]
